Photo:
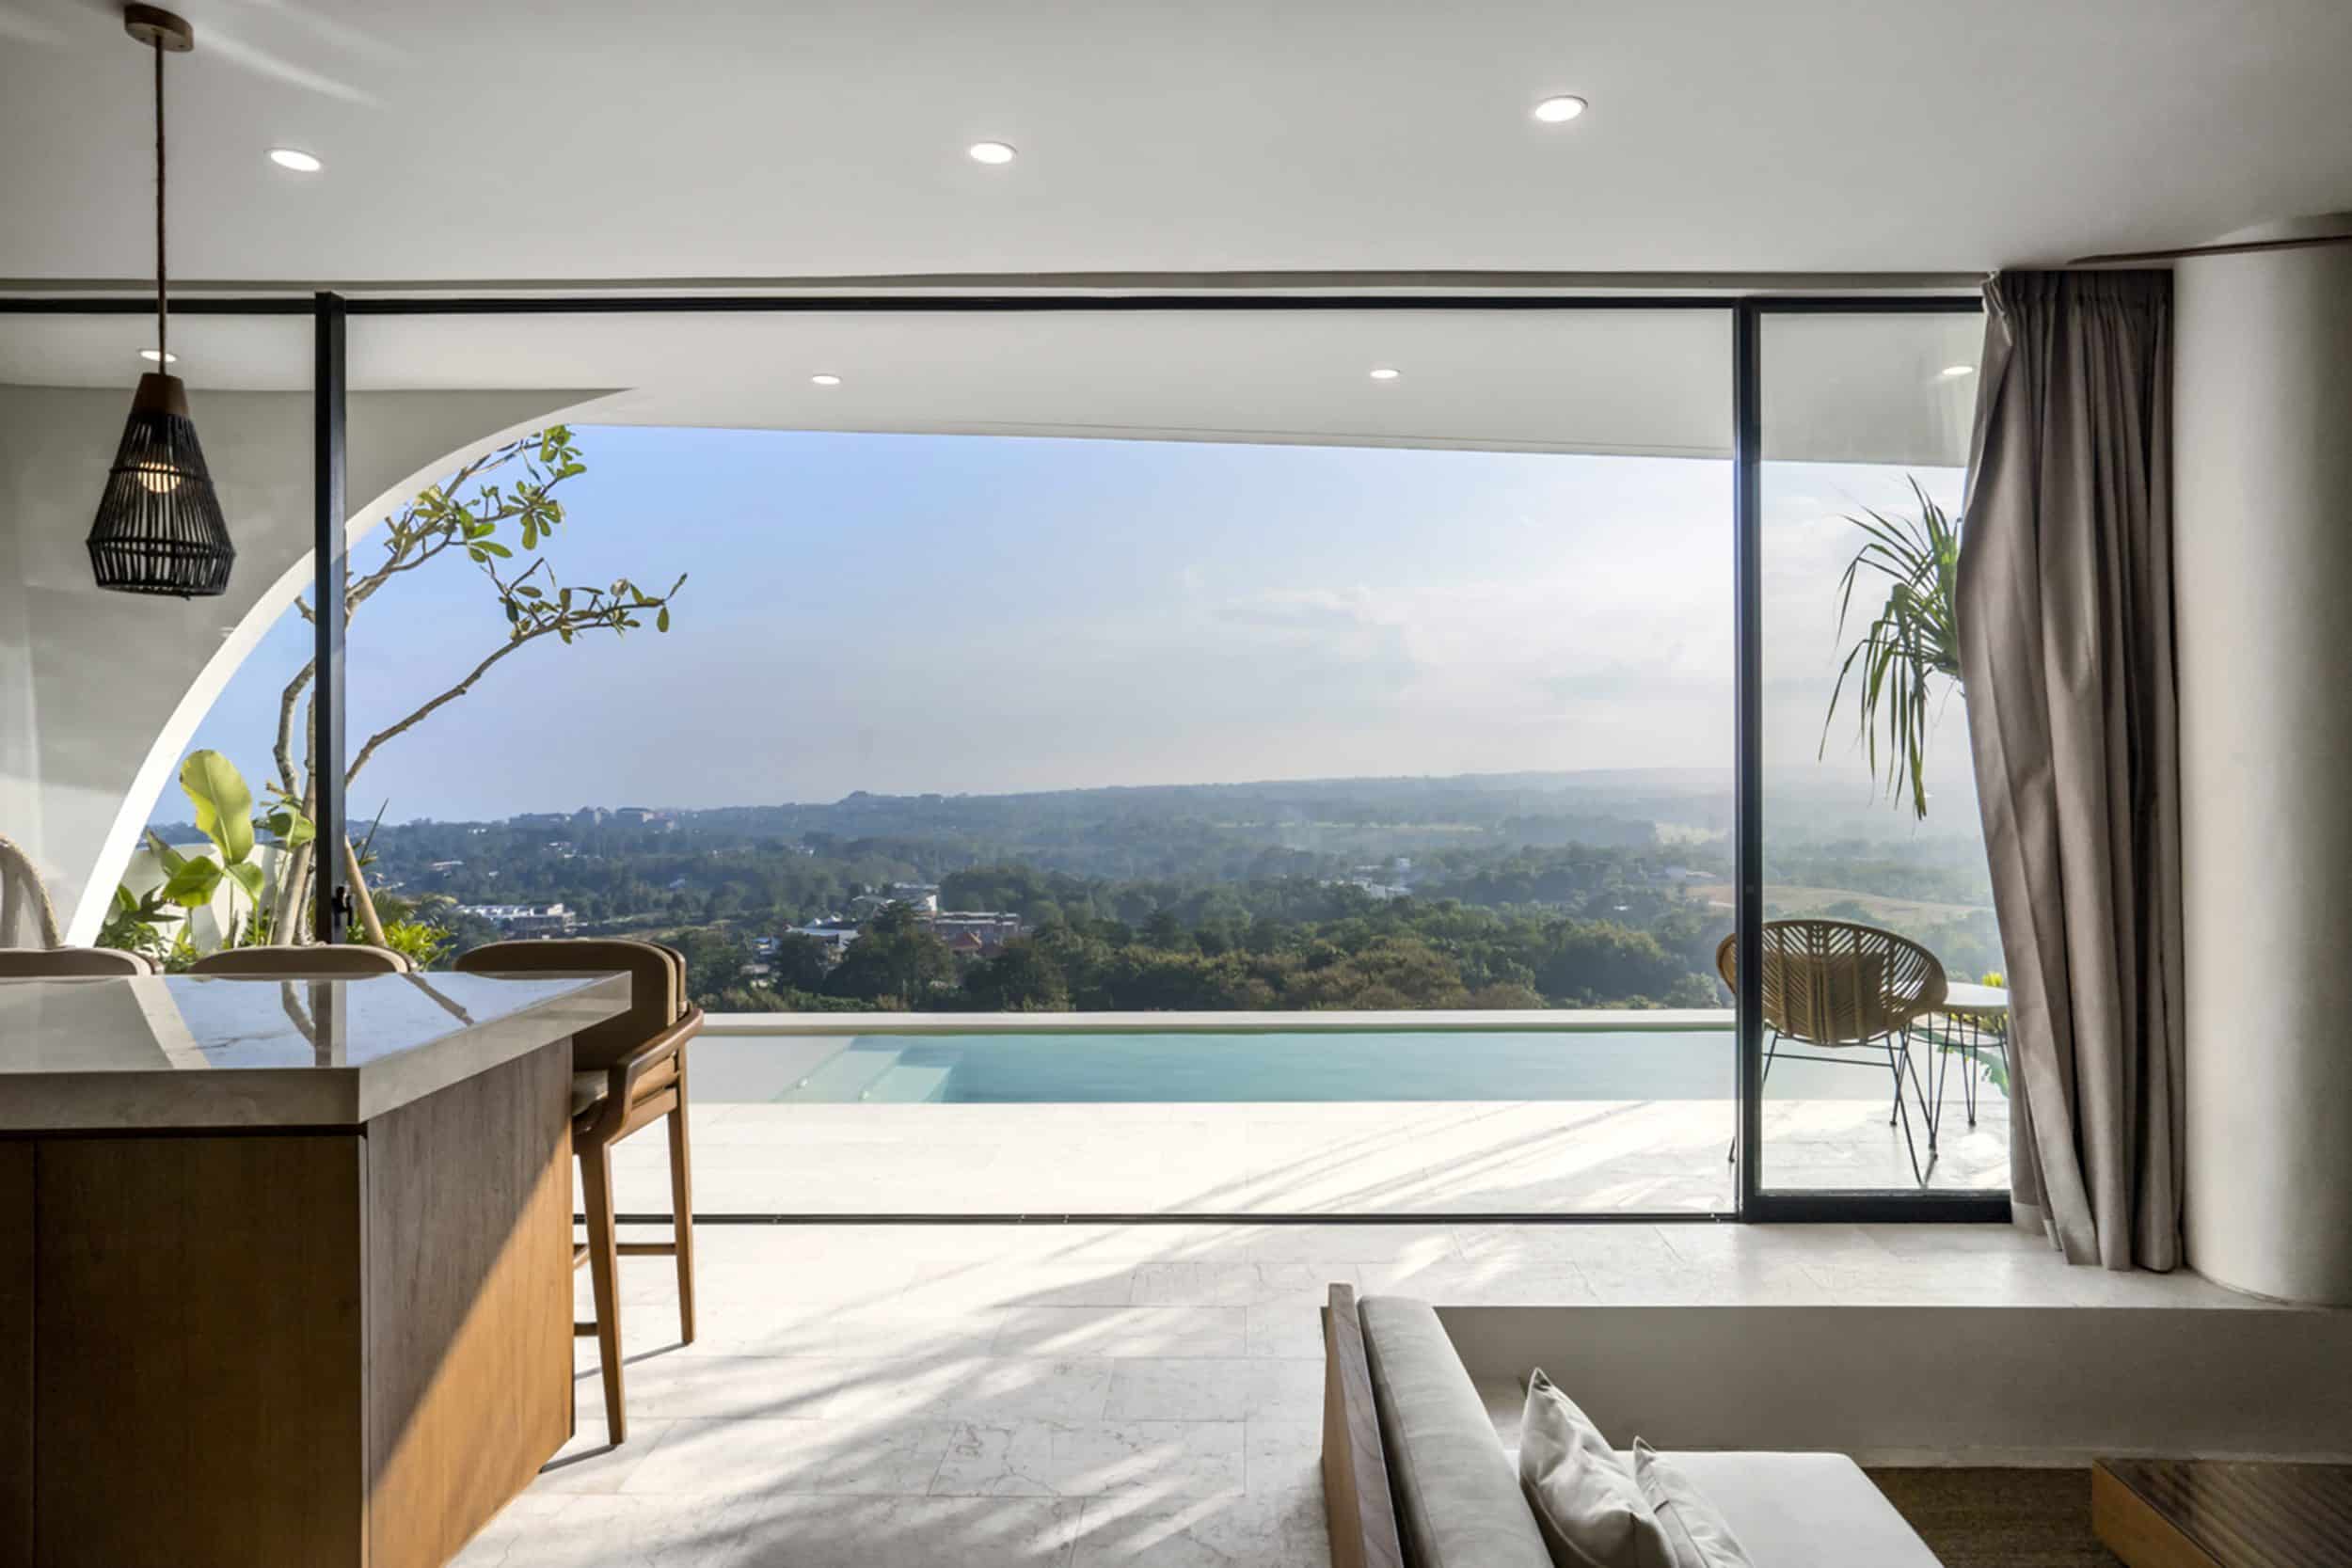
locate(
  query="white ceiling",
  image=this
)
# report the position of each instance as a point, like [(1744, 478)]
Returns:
[(493, 139)]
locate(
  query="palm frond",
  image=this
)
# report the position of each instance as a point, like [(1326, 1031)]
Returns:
[(1909, 648)]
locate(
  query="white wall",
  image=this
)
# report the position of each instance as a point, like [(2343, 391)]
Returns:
[(100, 691), (2262, 473)]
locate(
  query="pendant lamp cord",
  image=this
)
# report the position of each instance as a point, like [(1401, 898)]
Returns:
[(162, 290)]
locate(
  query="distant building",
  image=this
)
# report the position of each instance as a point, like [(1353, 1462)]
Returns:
[(974, 931), (836, 936), (524, 920), (922, 898), (638, 816), (590, 816), (445, 865)]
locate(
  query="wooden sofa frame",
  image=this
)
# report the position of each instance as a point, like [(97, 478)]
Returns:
[(1355, 1497)]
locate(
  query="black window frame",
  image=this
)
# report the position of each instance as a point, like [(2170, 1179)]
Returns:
[(330, 312)]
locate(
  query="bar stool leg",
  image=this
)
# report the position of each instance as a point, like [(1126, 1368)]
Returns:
[(682, 1212), (604, 1275)]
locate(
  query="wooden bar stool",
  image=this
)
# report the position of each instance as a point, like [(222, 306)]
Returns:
[(338, 961), (626, 1072), (71, 963)]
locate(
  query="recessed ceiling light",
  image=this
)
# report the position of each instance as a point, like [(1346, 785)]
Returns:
[(158, 356), (1560, 110), (1385, 373), (300, 162), (825, 380), (1951, 373), (992, 153)]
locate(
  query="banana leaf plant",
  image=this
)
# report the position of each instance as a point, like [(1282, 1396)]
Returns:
[(225, 814), (1909, 654)]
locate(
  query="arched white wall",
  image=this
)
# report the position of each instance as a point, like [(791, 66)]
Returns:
[(100, 691), (2263, 464)]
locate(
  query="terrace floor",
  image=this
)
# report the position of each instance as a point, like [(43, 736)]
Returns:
[(1457, 1157), (1083, 1395)]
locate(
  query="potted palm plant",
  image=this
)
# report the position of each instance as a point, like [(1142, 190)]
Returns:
[(1907, 659)]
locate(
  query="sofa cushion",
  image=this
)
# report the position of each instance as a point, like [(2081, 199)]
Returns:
[(1698, 1535), (1457, 1495), (1805, 1511), (1586, 1503)]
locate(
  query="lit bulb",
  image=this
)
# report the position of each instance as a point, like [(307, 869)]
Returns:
[(157, 356), (990, 152), (1385, 373), (156, 480), (825, 380), (1558, 111), (1953, 372)]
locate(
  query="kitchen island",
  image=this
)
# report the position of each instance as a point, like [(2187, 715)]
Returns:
[(285, 1266)]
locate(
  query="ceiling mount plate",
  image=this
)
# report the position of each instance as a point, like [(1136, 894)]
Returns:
[(158, 28)]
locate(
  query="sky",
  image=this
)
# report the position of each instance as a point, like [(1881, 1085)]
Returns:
[(910, 614)]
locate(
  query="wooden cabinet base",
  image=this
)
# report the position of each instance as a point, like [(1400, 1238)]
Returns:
[(343, 1347)]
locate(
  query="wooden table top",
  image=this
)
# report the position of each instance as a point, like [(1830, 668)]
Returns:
[(2216, 1513)]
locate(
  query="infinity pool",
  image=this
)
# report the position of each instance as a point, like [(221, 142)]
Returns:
[(1153, 1068)]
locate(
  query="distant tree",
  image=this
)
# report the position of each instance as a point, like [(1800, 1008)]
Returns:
[(894, 958), (801, 961), (1167, 932), (1021, 977)]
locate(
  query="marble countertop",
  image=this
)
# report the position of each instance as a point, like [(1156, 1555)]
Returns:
[(183, 1050)]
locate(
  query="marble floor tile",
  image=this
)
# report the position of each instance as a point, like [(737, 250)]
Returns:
[(1272, 1530), (1163, 1461), (675, 1384), (1284, 1328), (590, 1462), (756, 1457), (830, 1532), (1122, 1330), (1201, 1283), (1213, 1391), (1282, 1455), (977, 1387)]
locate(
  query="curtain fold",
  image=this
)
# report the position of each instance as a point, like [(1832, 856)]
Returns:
[(2065, 624)]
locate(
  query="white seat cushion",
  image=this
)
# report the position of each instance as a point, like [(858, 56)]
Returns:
[(1805, 1510)]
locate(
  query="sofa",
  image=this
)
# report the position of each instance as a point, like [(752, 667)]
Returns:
[(1417, 1474)]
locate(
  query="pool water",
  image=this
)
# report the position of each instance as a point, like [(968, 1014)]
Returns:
[(1155, 1069)]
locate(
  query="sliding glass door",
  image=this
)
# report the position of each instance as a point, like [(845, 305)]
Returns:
[(1882, 1071)]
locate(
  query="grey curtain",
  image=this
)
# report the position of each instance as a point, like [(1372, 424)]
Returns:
[(2065, 622)]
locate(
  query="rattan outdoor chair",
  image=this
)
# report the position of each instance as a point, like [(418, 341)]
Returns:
[(1843, 986)]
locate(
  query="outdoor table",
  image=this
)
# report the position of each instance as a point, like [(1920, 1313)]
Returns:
[(1970, 1015)]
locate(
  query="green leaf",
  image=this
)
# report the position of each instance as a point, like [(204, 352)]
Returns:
[(249, 876), (192, 885), (662, 622), (224, 806), (166, 856)]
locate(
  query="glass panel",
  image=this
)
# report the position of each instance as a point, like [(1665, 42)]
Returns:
[(1882, 954), (1081, 664)]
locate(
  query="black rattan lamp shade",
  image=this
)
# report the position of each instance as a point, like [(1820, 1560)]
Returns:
[(159, 528)]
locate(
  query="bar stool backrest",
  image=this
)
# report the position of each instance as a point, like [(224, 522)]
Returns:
[(341, 960), (657, 986), (28, 919), (71, 963)]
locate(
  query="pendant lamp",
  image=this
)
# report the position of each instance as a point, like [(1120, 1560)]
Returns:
[(159, 528)]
